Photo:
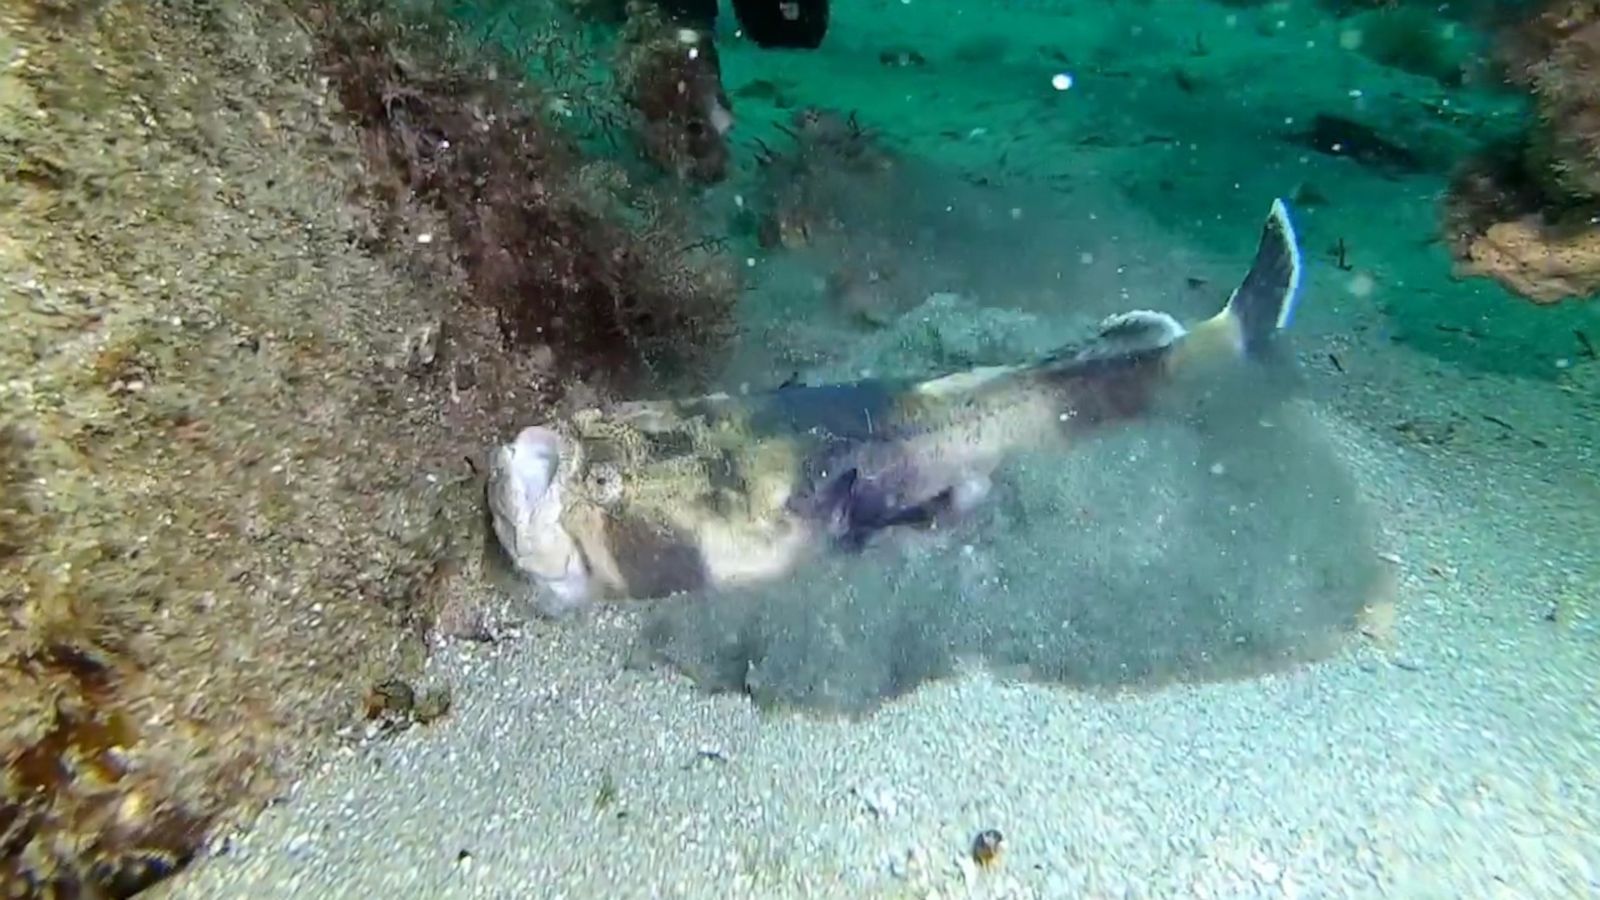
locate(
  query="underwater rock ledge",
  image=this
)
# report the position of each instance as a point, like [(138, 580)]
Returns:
[(253, 344), (1528, 216)]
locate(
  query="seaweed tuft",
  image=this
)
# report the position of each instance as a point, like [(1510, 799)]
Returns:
[(569, 253)]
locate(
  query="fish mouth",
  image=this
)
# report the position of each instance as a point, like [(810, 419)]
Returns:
[(526, 502)]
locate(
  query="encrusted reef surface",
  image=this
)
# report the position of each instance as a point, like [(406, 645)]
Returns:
[(247, 365), (1529, 215)]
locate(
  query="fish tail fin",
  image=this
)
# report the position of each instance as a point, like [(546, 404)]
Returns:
[(1261, 306)]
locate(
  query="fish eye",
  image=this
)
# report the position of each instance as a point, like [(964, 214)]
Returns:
[(604, 481)]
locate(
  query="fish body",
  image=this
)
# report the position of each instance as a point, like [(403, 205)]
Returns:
[(649, 498)]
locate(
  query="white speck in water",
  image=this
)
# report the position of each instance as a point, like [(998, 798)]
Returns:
[(738, 200), (1016, 213), (1563, 363), (1361, 285), (1061, 81), (425, 238), (1086, 258), (750, 262), (1218, 468)]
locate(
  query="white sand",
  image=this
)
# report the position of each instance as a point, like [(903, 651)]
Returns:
[(1461, 764)]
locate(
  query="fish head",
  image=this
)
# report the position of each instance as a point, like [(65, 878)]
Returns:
[(530, 497), (646, 499), (592, 506)]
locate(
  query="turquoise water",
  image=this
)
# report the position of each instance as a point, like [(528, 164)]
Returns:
[(1187, 117)]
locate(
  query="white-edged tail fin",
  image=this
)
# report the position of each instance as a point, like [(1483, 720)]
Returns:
[(1262, 305), (1264, 302)]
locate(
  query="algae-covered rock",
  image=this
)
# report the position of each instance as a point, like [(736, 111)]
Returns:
[(673, 82), (562, 250), (1555, 53), (1538, 261), (1529, 217), (228, 484), (259, 264)]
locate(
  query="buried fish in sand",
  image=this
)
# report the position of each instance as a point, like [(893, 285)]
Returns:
[(646, 499)]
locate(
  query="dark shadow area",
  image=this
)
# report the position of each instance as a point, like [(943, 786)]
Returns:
[(1224, 539)]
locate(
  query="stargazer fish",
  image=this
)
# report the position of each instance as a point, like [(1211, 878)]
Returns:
[(648, 498)]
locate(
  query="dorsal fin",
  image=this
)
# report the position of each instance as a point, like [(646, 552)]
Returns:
[(1122, 336), (1130, 332)]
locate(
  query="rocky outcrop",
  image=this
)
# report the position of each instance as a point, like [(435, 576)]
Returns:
[(1529, 216), (269, 284)]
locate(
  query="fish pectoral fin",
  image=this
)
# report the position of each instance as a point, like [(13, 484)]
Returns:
[(924, 514), (865, 520), (920, 516), (840, 503)]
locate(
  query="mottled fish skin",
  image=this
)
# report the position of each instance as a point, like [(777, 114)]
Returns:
[(911, 466), (648, 499)]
